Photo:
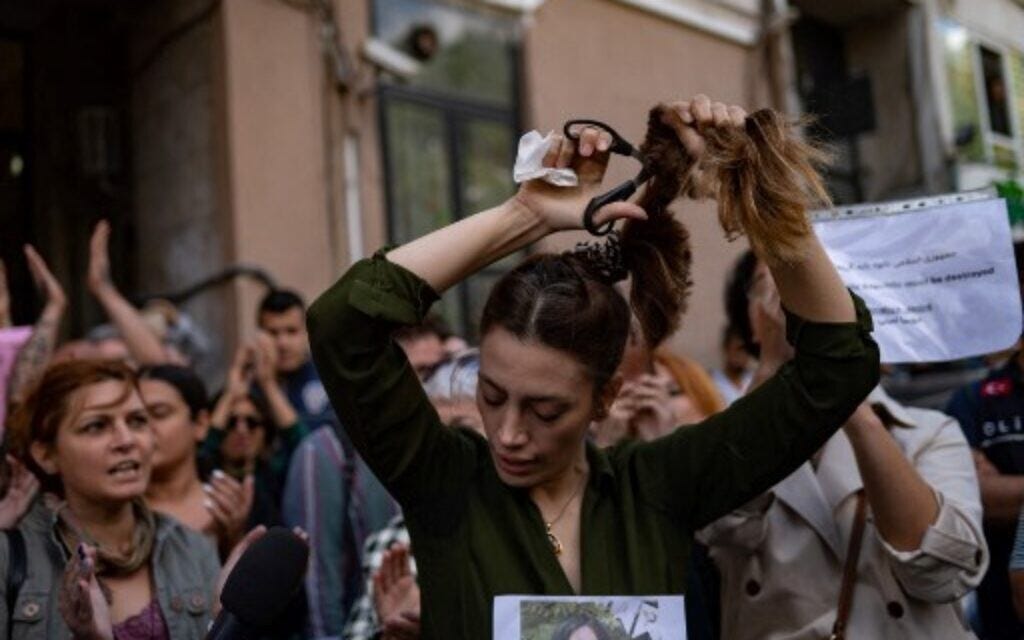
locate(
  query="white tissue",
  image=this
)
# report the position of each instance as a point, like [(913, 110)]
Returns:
[(532, 149)]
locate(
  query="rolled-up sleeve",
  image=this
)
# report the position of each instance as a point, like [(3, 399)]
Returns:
[(375, 392), (953, 556)]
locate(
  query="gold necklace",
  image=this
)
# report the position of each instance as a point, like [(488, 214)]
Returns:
[(556, 544)]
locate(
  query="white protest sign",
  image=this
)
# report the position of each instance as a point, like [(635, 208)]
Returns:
[(940, 281), (544, 617)]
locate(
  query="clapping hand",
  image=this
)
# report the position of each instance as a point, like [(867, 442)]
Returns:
[(229, 503), (396, 596), (84, 603)]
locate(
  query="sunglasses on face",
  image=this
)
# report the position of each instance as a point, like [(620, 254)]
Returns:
[(252, 422)]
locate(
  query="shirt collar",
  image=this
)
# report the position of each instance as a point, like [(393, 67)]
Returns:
[(878, 396), (602, 475)]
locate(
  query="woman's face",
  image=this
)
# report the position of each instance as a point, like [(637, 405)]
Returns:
[(246, 434), (104, 448), (536, 403), (175, 431)]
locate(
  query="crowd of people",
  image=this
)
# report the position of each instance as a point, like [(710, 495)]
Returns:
[(785, 493)]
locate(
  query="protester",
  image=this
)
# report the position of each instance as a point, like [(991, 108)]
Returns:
[(733, 378), (179, 413), (331, 493), (37, 352), (86, 433), (451, 388), (507, 517), (140, 343), (991, 414), (692, 393), (281, 319), (244, 427), (889, 506), (423, 344)]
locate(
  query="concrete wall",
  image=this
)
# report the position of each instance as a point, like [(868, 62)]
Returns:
[(180, 232), (621, 62), (889, 155)]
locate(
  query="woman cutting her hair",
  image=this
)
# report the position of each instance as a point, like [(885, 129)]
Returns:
[(534, 508)]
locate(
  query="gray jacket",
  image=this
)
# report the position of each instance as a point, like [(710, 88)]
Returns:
[(184, 566)]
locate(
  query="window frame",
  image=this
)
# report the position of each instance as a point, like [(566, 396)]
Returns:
[(456, 112), (992, 139)]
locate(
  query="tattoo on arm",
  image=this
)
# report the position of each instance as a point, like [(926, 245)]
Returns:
[(32, 359)]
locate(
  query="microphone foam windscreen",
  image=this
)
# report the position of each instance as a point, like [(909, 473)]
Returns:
[(266, 577)]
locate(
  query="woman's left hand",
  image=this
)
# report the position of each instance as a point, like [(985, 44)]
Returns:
[(83, 603), (561, 208)]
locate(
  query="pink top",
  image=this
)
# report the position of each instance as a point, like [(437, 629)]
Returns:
[(147, 624)]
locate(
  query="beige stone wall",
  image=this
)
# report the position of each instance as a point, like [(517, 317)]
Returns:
[(286, 127), (179, 225), (274, 138)]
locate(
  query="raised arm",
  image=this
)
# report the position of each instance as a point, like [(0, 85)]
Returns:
[(453, 253), (35, 355), (375, 392), (142, 342), (704, 472)]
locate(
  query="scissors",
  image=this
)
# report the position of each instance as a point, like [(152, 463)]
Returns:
[(620, 146)]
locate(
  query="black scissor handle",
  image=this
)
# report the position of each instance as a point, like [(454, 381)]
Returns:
[(618, 194), (619, 144)]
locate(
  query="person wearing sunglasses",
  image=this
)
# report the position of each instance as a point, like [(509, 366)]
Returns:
[(254, 430), (533, 508)]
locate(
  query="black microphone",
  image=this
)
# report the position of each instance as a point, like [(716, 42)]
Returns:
[(261, 585)]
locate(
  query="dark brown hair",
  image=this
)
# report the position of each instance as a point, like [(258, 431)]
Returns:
[(39, 416), (765, 180)]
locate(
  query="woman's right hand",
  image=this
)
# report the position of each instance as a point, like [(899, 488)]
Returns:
[(45, 281), (561, 208), (240, 374), (83, 603)]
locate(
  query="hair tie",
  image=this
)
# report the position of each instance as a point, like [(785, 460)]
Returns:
[(603, 259)]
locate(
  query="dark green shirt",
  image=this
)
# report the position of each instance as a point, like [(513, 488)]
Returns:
[(475, 538)]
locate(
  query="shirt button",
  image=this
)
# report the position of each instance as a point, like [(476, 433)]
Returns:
[(30, 610), (753, 588), (895, 609)]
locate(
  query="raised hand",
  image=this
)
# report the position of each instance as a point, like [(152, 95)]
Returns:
[(5, 298), (241, 372), (21, 490), (562, 207), (98, 275), (265, 359), (229, 503), (652, 403), (83, 603), (45, 281), (396, 596)]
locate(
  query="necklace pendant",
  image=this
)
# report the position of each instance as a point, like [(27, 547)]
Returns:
[(556, 544)]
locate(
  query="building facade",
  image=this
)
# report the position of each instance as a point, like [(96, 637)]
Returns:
[(297, 136)]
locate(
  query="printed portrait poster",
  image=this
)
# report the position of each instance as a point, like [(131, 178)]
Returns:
[(589, 618), (941, 282)]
